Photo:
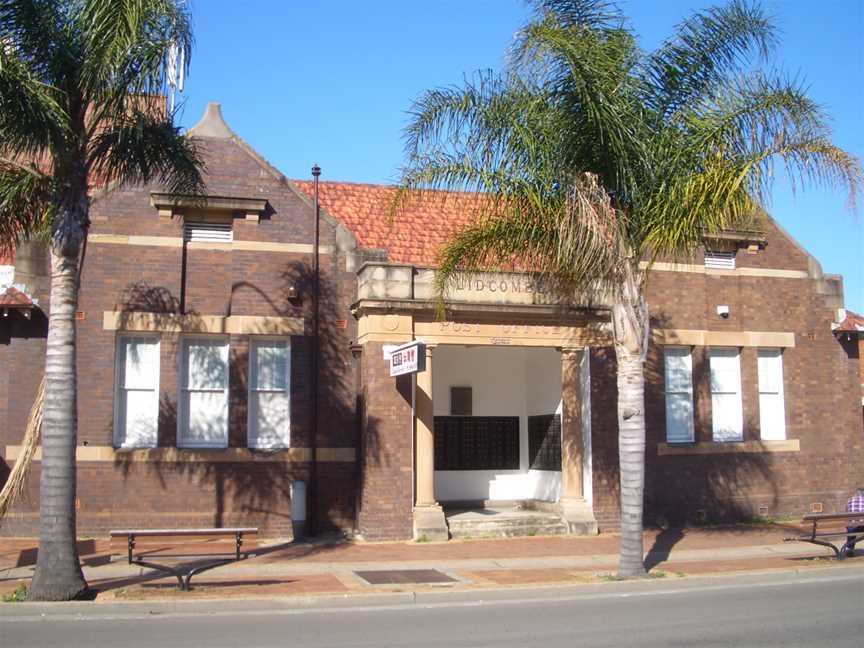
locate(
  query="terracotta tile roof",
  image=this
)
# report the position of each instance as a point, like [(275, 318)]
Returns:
[(16, 296), (852, 322), (7, 257), (413, 234)]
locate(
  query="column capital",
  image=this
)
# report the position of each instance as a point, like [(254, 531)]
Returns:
[(570, 350)]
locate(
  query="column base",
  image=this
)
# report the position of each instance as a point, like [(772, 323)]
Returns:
[(430, 523), (578, 515)]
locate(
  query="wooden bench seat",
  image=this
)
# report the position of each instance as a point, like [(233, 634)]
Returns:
[(212, 547), (832, 530)]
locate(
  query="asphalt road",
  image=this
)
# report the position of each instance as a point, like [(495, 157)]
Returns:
[(821, 609)]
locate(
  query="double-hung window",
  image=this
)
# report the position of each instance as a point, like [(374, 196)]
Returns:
[(269, 393), (726, 410), (136, 404), (203, 421), (678, 366), (772, 412)]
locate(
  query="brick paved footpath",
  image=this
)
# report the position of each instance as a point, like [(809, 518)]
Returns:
[(329, 567)]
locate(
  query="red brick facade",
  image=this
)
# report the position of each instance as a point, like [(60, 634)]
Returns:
[(364, 478)]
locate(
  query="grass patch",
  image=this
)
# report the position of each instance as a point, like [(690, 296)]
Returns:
[(611, 578), (657, 574), (18, 595), (761, 520), (422, 538), (531, 532)]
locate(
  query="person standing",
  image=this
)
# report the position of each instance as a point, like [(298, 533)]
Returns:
[(855, 504)]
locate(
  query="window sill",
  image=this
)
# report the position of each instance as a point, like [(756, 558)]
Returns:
[(91, 453), (132, 448), (728, 447)]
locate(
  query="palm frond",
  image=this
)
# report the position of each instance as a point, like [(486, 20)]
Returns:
[(759, 120), (597, 15), (31, 119), (141, 146), (704, 50), (686, 206), (26, 202), (748, 112), (127, 42), (810, 161), (588, 73), (32, 30), (491, 121), (575, 244)]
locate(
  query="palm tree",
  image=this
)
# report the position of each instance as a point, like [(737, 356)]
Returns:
[(78, 108), (594, 157)]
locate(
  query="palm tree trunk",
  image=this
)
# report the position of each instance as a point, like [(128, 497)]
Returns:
[(630, 317), (631, 458), (58, 574)]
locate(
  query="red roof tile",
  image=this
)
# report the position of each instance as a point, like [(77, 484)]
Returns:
[(413, 234), (14, 297), (852, 322)]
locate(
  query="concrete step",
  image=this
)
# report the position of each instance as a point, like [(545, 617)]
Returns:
[(503, 524)]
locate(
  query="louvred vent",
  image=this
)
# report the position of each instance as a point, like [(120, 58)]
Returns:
[(720, 260), (207, 232)]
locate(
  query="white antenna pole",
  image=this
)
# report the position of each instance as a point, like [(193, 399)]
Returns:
[(182, 69)]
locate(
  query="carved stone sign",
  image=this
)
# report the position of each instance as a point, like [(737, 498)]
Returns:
[(385, 281), (587, 334), (489, 288), (500, 283)]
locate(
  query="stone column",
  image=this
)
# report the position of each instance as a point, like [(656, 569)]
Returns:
[(425, 436), (574, 509), (429, 521), (571, 424)]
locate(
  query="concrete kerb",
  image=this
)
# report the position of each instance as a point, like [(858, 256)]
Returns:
[(286, 605)]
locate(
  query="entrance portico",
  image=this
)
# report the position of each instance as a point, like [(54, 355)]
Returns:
[(525, 436)]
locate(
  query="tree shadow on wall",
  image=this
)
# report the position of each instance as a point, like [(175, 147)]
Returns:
[(722, 487), (706, 490), (257, 486), (164, 309), (253, 487)]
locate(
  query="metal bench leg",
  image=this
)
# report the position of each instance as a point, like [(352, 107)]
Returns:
[(837, 552)]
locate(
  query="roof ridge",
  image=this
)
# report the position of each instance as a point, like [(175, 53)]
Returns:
[(387, 186)]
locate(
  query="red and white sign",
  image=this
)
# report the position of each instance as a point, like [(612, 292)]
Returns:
[(408, 358)]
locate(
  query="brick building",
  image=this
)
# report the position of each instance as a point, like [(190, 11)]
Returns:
[(196, 344)]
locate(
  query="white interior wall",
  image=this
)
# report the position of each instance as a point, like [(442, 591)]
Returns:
[(505, 381), (7, 275)]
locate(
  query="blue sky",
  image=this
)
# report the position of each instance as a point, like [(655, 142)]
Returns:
[(331, 82)]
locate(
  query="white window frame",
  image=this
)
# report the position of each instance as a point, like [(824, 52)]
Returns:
[(253, 341), (736, 415), (768, 432), (183, 401), (120, 350), (667, 351)]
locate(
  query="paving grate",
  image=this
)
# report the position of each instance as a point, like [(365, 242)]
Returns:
[(404, 576)]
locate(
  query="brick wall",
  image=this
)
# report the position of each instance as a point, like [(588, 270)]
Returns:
[(362, 407), (386, 479), (821, 384), (119, 277)]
